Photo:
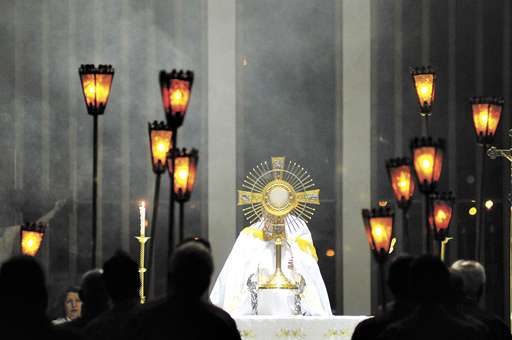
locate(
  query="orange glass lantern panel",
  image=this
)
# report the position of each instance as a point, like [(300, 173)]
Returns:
[(182, 170), (160, 146), (96, 85), (486, 117), (442, 215), (179, 95), (31, 242), (424, 79), (428, 162), (402, 182), (185, 168), (381, 229), (425, 88)]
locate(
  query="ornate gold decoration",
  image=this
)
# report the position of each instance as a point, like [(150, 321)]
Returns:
[(247, 333), (142, 270), (333, 332), (290, 332), (272, 193)]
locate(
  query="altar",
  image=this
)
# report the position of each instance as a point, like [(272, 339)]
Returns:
[(257, 327)]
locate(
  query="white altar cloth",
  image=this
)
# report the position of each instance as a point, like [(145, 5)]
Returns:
[(266, 327)]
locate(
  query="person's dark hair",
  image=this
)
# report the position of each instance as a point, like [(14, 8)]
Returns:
[(93, 294), (198, 239), (473, 276), (429, 279), (456, 295), (22, 284), (121, 274), (398, 276), (190, 270)]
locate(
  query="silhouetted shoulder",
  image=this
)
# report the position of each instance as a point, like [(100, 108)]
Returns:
[(223, 316), (64, 334), (365, 330)]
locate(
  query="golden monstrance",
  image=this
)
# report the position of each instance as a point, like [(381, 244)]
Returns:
[(273, 194)]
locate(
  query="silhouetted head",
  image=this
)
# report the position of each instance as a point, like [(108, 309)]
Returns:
[(473, 277), (23, 286), (429, 280), (198, 239), (93, 294), (398, 276), (121, 275), (190, 270), (456, 294)]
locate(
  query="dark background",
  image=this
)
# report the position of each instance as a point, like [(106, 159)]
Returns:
[(286, 105)]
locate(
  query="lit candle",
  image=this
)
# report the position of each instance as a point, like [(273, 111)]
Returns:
[(142, 213)]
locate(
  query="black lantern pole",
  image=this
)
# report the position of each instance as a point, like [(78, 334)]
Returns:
[(379, 228), (96, 84), (427, 158), (176, 89), (184, 178), (402, 182), (160, 136), (486, 112)]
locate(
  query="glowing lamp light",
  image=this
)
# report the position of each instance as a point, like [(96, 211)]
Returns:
[(31, 238), (379, 224), (424, 79), (330, 252), (428, 162), (160, 137), (185, 167), (176, 88), (486, 117), (96, 84), (489, 204), (401, 179), (441, 213)]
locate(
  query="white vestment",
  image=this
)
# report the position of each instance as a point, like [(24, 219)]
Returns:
[(252, 254)]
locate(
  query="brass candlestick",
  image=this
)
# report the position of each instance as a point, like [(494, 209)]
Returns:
[(142, 270)]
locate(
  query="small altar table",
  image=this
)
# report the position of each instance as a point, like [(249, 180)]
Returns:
[(266, 327)]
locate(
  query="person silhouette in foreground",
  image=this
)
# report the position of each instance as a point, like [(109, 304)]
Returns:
[(23, 302), (429, 281), (122, 280), (401, 307), (95, 300), (472, 275), (184, 315)]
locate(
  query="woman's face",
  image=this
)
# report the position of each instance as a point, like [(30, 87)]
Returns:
[(73, 305)]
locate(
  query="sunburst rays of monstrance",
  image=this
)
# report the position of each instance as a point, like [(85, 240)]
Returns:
[(278, 195)]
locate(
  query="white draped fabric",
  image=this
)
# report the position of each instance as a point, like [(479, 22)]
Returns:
[(252, 254), (297, 327)]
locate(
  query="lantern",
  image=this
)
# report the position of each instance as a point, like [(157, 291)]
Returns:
[(31, 238), (176, 88), (441, 213), (401, 179), (486, 117), (428, 162), (379, 225), (185, 166), (424, 79), (96, 83), (160, 141)]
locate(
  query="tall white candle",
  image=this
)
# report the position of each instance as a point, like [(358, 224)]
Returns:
[(142, 213)]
